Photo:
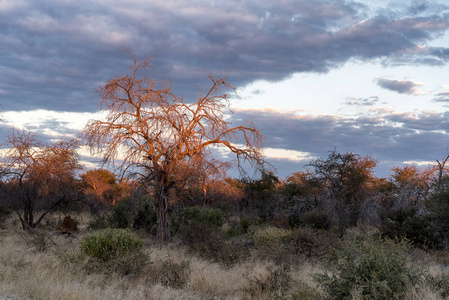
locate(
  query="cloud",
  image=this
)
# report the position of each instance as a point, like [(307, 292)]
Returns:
[(57, 53), (48, 125), (400, 86), (392, 138), (441, 97), (292, 139), (258, 92), (419, 163), (362, 101), (285, 154)]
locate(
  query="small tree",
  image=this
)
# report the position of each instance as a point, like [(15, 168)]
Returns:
[(157, 134), (259, 195), (438, 202), (38, 176), (411, 185), (100, 186), (346, 179)]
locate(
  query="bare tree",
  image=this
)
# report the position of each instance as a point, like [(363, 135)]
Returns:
[(151, 130), (346, 179), (37, 176), (441, 168)]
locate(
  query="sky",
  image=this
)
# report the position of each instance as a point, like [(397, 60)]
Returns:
[(368, 77)]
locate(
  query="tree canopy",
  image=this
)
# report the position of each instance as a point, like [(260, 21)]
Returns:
[(161, 137)]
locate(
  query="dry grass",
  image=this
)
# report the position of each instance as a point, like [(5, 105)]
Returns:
[(46, 265)]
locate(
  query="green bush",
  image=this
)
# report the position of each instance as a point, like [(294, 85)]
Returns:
[(244, 225), (317, 219), (239, 228), (146, 217), (121, 215), (368, 268), (110, 243), (409, 224), (311, 243), (99, 223), (270, 236), (213, 217), (210, 243)]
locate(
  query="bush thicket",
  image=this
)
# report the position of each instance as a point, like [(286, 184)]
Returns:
[(107, 244), (211, 243), (146, 217), (205, 215), (317, 219), (121, 215), (407, 223), (369, 268)]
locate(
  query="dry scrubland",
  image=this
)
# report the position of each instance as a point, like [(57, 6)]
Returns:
[(43, 264)]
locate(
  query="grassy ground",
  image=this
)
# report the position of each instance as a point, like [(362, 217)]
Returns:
[(44, 264)]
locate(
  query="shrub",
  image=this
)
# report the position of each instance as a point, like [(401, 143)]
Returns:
[(317, 219), (211, 216), (146, 217), (281, 220), (244, 225), (368, 268), (175, 275), (275, 285), (121, 215), (130, 263), (311, 243), (99, 223), (270, 236), (439, 284), (303, 292), (110, 243), (407, 223), (210, 243), (69, 224)]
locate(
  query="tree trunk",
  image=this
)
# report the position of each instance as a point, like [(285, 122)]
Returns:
[(342, 217), (28, 215), (354, 213), (163, 218)]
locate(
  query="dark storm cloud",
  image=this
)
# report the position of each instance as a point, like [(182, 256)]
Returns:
[(389, 137), (54, 53), (399, 86)]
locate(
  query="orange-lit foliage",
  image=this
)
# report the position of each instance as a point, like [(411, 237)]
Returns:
[(156, 134), (38, 176), (412, 184), (302, 183), (101, 186), (229, 189)]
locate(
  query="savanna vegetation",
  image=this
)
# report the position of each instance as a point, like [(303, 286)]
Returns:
[(161, 220)]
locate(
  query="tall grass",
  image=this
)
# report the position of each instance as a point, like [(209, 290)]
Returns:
[(46, 265)]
